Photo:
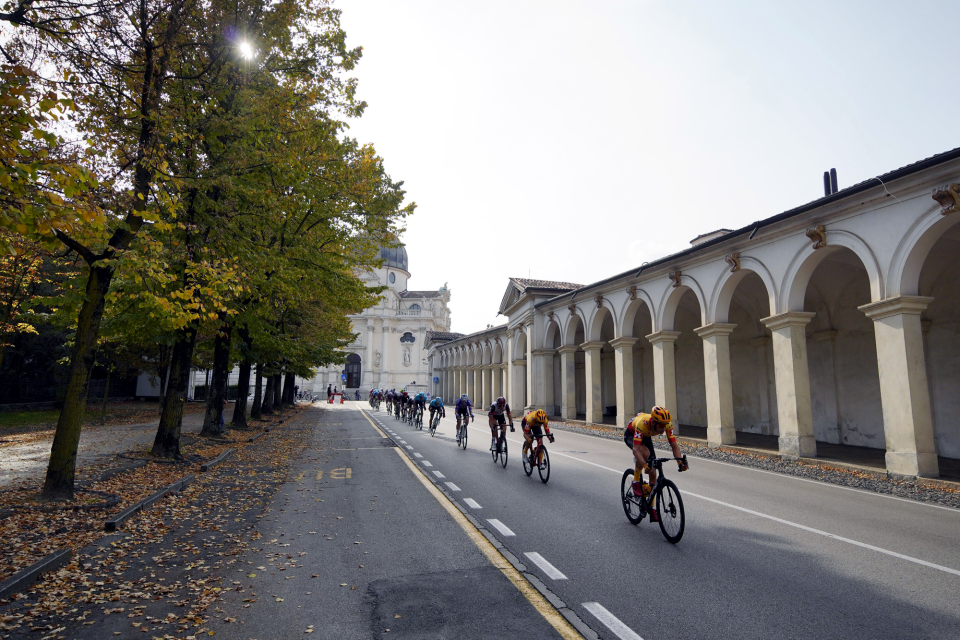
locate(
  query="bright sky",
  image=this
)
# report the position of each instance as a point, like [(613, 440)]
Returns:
[(574, 140)]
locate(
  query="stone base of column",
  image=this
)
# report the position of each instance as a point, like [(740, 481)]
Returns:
[(717, 436), (910, 463), (798, 447)]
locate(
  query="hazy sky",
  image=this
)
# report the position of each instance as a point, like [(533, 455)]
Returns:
[(575, 140)]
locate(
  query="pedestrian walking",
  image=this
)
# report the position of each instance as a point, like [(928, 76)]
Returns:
[(329, 392)]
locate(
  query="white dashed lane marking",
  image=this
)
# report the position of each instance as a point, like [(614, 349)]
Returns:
[(452, 486), (426, 463), (551, 571), (611, 621), (419, 455), (439, 475), (473, 504), (502, 528)]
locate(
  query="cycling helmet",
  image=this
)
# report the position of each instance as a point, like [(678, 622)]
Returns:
[(438, 399), (501, 401), (464, 397), (661, 415), (540, 416)]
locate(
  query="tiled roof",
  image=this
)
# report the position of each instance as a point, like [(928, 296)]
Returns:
[(526, 283), (419, 294), (443, 335)]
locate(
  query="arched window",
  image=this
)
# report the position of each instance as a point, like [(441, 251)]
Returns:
[(353, 371), (415, 308), (407, 338)]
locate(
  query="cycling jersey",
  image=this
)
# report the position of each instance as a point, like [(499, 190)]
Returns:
[(530, 423), (496, 411), (463, 406), (420, 398), (643, 426), (436, 403)]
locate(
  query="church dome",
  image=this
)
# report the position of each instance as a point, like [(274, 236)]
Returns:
[(395, 257)]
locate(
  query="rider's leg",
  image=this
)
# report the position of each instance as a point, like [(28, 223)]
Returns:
[(527, 441)]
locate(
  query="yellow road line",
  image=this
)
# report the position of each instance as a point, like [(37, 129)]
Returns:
[(372, 423), (564, 628)]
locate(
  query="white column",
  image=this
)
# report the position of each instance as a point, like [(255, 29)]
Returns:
[(366, 370), (384, 330), (794, 412), (592, 379), (623, 354), (907, 423), (762, 345), (549, 401), (501, 376), (568, 382), (463, 382), (518, 393), (531, 366), (485, 386), (478, 385), (664, 369), (718, 383)]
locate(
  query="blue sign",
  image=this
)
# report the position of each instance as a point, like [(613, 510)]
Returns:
[(435, 380), (343, 378)]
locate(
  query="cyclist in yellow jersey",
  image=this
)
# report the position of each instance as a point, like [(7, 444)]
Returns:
[(639, 437), (531, 424)]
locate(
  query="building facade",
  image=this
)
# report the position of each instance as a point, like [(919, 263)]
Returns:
[(390, 349), (835, 322)]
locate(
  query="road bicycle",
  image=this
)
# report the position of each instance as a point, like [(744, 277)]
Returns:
[(501, 450), (462, 432), (434, 423), (538, 456), (664, 497), (418, 417)]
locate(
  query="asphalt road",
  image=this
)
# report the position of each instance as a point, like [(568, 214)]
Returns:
[(764, 555), (354, 545)]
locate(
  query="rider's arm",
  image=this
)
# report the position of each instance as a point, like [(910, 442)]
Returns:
[(675, 446)]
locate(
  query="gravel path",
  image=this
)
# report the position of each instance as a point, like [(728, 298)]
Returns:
[(903, 488)]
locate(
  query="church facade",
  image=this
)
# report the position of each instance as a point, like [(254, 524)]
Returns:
[(836, 323), (390, 348)]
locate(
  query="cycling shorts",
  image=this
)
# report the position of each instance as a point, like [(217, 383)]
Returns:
[(501, 420), (646, 441), (463, 412), (534, 430)]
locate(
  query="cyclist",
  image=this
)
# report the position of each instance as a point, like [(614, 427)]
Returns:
[(461, 409), (420, 402), (436, 405), (389, 399), (495, 416), (532, 424), (404, 403), (647, 425)]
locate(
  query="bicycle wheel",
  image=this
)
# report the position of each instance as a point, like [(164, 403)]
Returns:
[(528, 460), (670, 511), (631, 503), (544, 467), (503, 452), (463, 437), (495, 454)]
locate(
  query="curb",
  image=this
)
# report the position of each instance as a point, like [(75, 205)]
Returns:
[(22, 579), (206, 466), (251, 439), (120, 518)]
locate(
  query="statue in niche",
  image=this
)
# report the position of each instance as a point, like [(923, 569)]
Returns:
[(376, 358), (406, 357)]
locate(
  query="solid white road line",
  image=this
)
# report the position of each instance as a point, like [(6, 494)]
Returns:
[(552, 572), (452, 486), (439, 475), (502, 528), (613, 622), (419, 455), (473, 504), (426, 463)]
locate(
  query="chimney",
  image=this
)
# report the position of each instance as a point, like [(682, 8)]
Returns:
[(830, 182)]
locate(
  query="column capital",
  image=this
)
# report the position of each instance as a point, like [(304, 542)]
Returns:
[(911, 305), (592, 346), (567, 348), (487, 367), (624, 341), (663, 336), (519, 363), (825, 336), (715, 329), (544, 352), (503, 366), (788, 319)]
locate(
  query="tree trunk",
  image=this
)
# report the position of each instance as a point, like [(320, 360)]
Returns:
[(277, 393), (257, 394), (218, 385), (266, 409), (167, 442), (243, 383), (62, 466), (288, 381)]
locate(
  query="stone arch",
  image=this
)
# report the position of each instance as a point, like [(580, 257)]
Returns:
[(719, 309), (597, 318), (630, 309), (672, 297), (520, 344), (485, 354), (552, 333), (807, 259), (574, 322), (497, 352), (903, 277)]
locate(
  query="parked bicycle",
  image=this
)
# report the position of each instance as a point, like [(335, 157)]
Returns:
[(538, 457), (664, 497)]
